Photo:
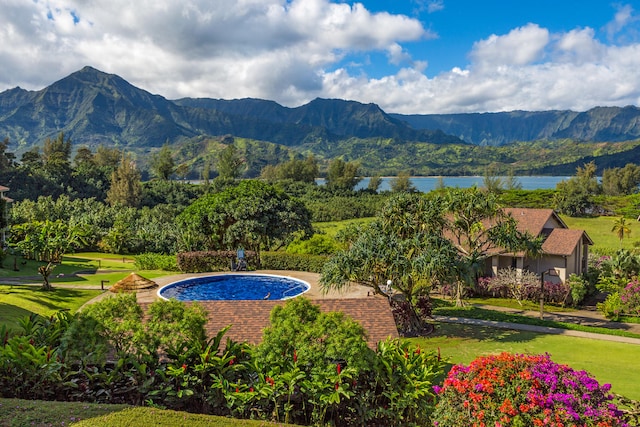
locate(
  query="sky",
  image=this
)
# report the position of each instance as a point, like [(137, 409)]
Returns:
[(407, 56)]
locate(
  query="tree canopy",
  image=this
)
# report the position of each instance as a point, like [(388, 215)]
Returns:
[(252, 215)]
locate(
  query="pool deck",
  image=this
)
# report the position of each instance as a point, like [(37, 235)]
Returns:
[(314, 293)]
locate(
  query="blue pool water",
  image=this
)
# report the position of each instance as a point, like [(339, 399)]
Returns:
[(235, 287)]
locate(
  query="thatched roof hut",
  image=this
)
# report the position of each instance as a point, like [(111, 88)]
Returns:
[(132, 283)]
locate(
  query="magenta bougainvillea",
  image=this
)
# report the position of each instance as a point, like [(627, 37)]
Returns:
[(523, 390)]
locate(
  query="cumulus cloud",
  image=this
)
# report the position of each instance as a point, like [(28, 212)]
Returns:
[(291, 51)]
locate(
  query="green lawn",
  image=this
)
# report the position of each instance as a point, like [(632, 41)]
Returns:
[(599, 229), (332, 227), (19, 301), (608, 362), (17, 412)]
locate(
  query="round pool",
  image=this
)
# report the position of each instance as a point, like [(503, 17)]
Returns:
[(235, 287)]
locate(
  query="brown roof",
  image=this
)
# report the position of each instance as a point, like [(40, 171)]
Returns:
[(532, 220), (133, 282), (249, 318), (563, 241)]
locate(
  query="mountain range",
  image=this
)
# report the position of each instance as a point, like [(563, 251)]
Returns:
[(95, 108)]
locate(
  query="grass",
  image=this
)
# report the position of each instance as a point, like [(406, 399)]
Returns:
[(19, 301), (608, 362), (18, 413), (485, 314), (83, 270), (599, 229), (332, 227)]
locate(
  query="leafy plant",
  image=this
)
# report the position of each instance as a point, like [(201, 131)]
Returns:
[(523, 390)]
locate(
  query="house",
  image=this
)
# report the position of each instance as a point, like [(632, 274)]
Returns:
[(564, 250)]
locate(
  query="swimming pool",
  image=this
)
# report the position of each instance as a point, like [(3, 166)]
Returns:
[(235, 287)]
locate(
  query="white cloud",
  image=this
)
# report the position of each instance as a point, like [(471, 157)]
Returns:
[(289, 51), (521, 46)]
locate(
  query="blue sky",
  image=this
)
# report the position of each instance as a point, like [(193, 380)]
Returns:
[(408, 56)]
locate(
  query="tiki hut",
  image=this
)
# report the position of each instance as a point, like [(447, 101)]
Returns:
[(133, 283)]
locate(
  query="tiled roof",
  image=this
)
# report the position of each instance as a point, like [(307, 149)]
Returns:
[(562, 241), (249, 318)]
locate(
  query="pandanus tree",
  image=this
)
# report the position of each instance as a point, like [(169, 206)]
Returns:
[(404, 246)]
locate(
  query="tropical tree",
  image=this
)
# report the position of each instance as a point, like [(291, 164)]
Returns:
[(162, 164), (621, 229), (404, 250), (125, 189), (229, 163), (342, 175), (402, 183), (252, 215)]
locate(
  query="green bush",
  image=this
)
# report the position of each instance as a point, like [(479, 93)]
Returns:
[(152, 261), (579, 289), (611, 308), (318, 244), (208, 261), (293, 262)]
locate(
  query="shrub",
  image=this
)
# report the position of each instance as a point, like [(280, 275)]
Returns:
[(153, 261), (630, 298), (293, 262), (523, 390), (318, 244), (579, 289), (611, 308), (208, 261)]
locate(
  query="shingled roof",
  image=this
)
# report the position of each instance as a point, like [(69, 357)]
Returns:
[(249, 318), (533, 220), (563, 241)]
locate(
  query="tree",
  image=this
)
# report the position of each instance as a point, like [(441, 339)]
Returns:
[(125, 189), (492, 182), (402, 183), (574, 197), (342, 175), (47, 241), (621, 229), (162, 165), (56, 156), (621, 181), (229, 163), (374, 183), (252, 215), (295, 169), (405, 245)]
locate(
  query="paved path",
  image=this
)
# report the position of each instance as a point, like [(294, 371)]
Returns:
[(581, 317)]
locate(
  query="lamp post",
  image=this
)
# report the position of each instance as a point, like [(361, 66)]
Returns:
[(550, 272)]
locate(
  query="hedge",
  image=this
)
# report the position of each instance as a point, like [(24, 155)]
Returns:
[(206, 261), (293, 262)]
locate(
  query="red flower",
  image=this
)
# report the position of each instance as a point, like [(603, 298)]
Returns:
[(337, 386), (237, 390), (295, 356), (418, 350), (231, 362), (338, 368), (184, 367), (251, 389)]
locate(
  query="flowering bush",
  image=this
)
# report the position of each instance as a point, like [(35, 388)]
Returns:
[(523, 390), (522, 286), (630, 297)]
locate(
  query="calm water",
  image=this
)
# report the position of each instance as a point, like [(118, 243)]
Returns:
[(235, 287), (428, 183)]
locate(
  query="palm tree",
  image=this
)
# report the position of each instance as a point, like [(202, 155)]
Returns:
[(621, 229)]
